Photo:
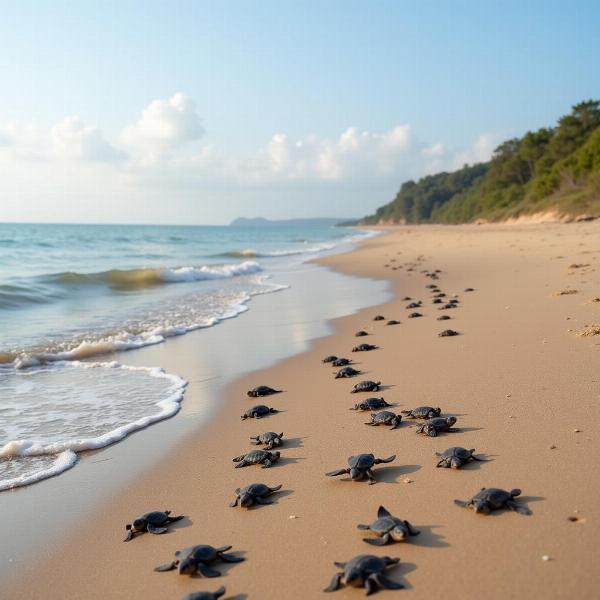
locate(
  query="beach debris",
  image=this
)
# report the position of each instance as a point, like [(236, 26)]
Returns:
[(206, 595), (456, 457), (155, 522), (552, 447), (340, 362), (388, 528), (360, 333), (293, 517), (422, 412), (566, 292), (448, 333), (407, 480), (364, 348), (393, 322), (469, 289), (365, 570), (385, 417), (366, 386), (270, 438), (360, 467), (378, 318), (255, 493), (488, 499), (346, 372), (546, 558), (589, 330), (370, 404), (576, 430), (414, 315), (595, 300), (262, 390), (197, 558), (330, 358), (576, 518), (258, 411), (439, 424), (257, 457)]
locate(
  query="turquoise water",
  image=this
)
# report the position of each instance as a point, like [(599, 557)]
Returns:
[(75, 291)]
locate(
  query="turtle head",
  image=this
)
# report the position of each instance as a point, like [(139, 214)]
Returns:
[(188, 566), (356, 473), (451, 420), (275, 456), (437, 411), (137, 525), (481, 506), (399, 534), (354, 577), (246, 500)]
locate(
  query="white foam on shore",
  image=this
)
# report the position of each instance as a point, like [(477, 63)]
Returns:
[(69, 407)]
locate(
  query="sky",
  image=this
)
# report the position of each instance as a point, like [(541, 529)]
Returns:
[(199, 112)]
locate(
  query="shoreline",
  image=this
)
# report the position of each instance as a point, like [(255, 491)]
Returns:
[(480, 376)]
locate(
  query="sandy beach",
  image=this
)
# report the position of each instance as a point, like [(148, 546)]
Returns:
[(520, 380)]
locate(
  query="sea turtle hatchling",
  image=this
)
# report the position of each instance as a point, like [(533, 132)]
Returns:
[(422, 412), (330, 358), (364, 348), (269, 438), (448, 333), (206, 595), (255, 493), (393, 322), (365, 570), (346, 372), (385, 417), (262, 390), (257, 457), (340, 362), (366, 386), (370, 404), (414, 315), (456, 457), (488, 499), (156, 522), (378, 318), (360, 333), (388, 528), (413, 305), (436, 425), (258, 411), (444, 318), (197, 558), (360, 467)]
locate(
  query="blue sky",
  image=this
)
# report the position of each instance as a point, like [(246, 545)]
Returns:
[(457, 76)]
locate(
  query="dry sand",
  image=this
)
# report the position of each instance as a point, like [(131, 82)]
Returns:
[(522, 384)]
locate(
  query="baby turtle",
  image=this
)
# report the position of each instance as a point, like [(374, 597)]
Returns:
[(365, 570), (406, 298), (197, 558), (360, 467), (153, 522), (262, 390), (340, 362), (422, 412), (255, 493), (448, 333), (488, 499), (258, 411), (414, 315), (431, 286), (456, 457), (439, 295), (257, 457), (378, 318), (206, 595), (360, 333), (346, 372), (388, 528), (385, 417), (393, 322), (366, 386), (370, 404), (447, 306), (364, 348), (437, 301), (436, 425), (444, 318), (270, 438), (330, 358), (413, 305)]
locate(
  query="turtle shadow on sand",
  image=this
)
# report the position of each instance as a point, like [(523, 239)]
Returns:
[(399, 572), (182, 523), (297, 442), (286, 460), (388, 386), (521, 500), (428, 538), (237, 597), (391, 474)]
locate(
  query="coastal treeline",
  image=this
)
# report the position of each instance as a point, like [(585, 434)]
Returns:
[(551, 169)]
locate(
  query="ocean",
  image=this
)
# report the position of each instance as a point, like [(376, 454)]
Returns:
[(71, 294)]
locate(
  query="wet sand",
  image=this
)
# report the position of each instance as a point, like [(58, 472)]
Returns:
[(522, 383)]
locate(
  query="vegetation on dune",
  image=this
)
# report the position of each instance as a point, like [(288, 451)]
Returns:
[(552, 169)]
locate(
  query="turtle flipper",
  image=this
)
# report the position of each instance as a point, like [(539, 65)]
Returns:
[(360, 526), (167, 567), (461, 503), (383, 512), (255, 441), (231, 558), (431, 432), (479, 458), (337, 472), (241, 463), (235, 502), (334, 583), (387, 583), (370, 476), (442, 463), (207, 571), (523, 510), (389, 459), (411, 529), (266, 464), (239, 458), (378, 541), (276, 488), (371, 585), (130, 533), (218, 593), (177, 518), (156, 530)]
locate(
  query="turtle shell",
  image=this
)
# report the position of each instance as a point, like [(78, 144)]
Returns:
[(495, 496), (199, 553), (457, 452), (422, 412), (156, 517), (268, 436), (261, 409), (385, 524), (361, 461), (384, 416), (366, 564), (256, 489), (329, 358), (257, 456)]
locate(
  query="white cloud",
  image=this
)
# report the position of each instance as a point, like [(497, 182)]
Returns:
[(71, 138), (164, 126)]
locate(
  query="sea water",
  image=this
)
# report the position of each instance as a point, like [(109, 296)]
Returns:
[(70, 294)]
